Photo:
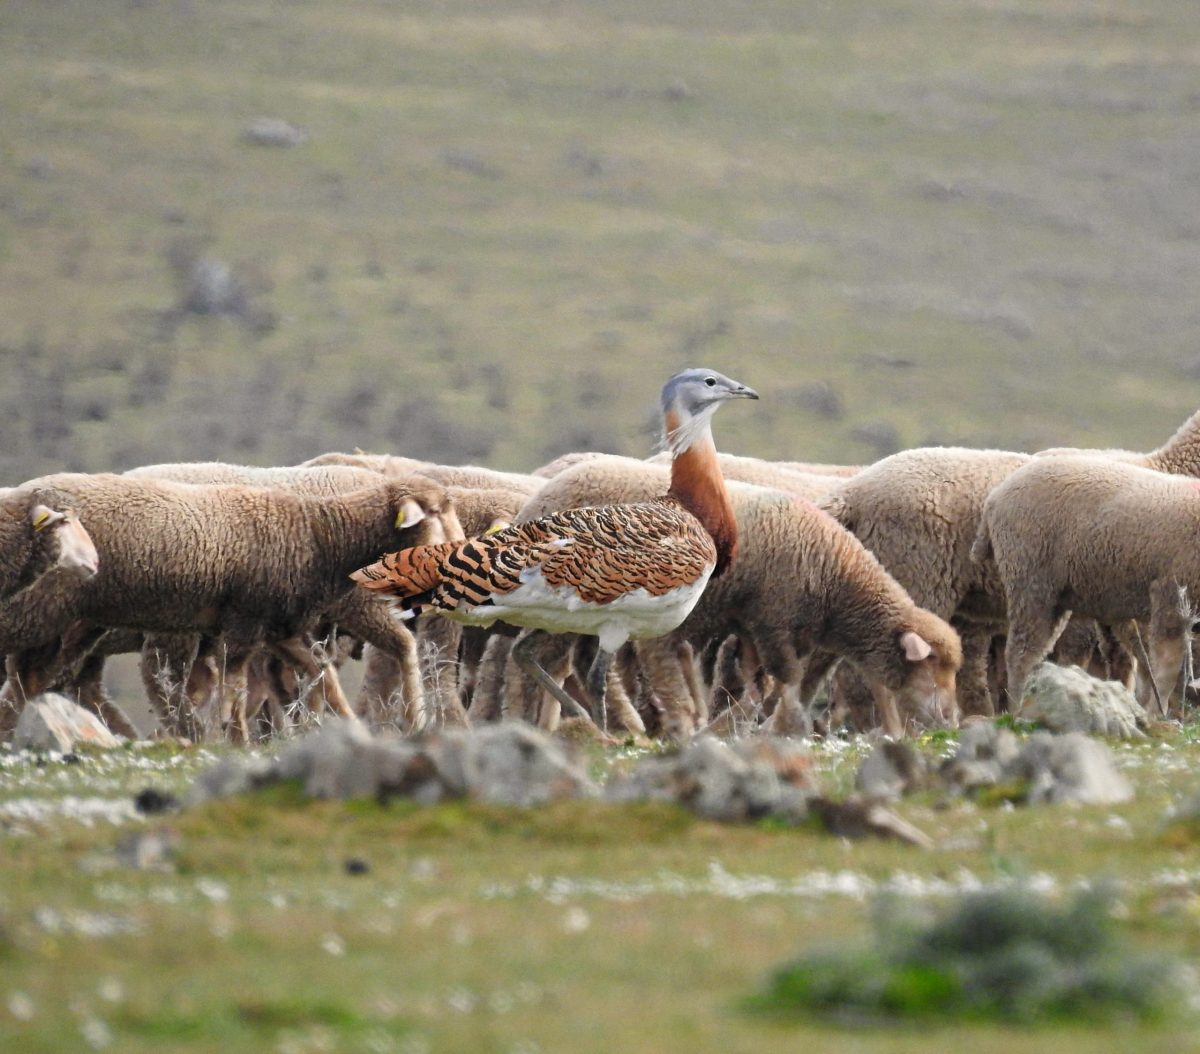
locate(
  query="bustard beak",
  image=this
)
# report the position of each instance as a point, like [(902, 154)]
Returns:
[(742, 392)]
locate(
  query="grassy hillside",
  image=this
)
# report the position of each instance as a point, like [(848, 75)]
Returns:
[(904, 221)]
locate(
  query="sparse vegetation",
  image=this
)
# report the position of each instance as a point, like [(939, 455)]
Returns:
[(271, 921), (904, 222)]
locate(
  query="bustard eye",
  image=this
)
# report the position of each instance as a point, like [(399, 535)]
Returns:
[(710, 381)]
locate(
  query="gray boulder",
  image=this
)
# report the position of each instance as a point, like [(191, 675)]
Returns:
[(892, 770), (1068, 699), (1070, 768), (54, 722), (749, 779)]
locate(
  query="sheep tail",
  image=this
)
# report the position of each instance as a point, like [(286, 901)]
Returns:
[(981, 548), (839, 509)]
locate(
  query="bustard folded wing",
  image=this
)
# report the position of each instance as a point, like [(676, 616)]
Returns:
[(598, 554)]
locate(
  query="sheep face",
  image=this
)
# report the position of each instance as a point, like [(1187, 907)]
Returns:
[(931, 657), (76, 553)]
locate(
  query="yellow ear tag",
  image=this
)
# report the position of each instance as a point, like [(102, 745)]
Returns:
[(41, 520), (495, 528)]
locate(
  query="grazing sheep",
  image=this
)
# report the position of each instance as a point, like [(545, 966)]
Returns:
[(1104, 539), (804, 584), (250, 564)]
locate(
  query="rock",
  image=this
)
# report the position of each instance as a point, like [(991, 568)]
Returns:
[(147, 850), (984, 753), (1068, 699), (274, 131), (339, 760), (1071, 768), (859, 817), (513, 763), (227, 777), (53, 722), (892, 770), (150, 801), (749, 780)]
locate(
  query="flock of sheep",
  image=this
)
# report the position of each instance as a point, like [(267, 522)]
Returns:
[(940, 575)]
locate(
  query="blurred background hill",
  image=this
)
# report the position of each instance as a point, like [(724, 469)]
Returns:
[(487, 230)]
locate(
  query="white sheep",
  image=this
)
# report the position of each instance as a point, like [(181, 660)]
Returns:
[(1104, 539)]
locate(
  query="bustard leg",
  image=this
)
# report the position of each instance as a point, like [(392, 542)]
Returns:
[(597, 686), (521, 652)]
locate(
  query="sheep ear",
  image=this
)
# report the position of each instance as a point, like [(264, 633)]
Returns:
[(410, 514), (915, 646), (42, 517)]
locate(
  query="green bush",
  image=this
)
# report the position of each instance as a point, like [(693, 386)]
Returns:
[(1012, 956)]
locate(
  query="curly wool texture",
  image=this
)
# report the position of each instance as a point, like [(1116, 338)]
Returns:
[(244, 561), (919, 511), (472, 476)]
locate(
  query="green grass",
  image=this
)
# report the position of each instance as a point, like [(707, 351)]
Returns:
[(574, 927), (998, 197)]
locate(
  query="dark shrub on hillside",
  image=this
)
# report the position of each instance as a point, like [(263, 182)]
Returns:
[(1011, 956)]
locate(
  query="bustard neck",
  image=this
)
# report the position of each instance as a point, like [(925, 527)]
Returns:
[(697, 483)]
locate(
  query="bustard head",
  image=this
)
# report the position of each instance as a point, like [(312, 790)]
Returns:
[(690, 398)]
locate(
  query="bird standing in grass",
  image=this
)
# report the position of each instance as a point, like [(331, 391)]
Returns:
[(617, 572)]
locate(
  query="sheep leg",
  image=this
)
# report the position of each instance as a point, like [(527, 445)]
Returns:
[(791, 717), (974, 692), (373, 624), (889, 713), (817, 671), (89, 685), (659, 658), (619, 703), (1170, 631), (489, 679), (317, 672), (232, 688), (166, 667), (729, 676), (1033, 628), (439, 642), (688, 663), (523, 653)]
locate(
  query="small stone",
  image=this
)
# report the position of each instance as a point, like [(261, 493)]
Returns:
[(151, 801), (891, 770), (274, 131), (355, 865)]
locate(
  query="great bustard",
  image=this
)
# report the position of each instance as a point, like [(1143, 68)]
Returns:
[(617, 572)]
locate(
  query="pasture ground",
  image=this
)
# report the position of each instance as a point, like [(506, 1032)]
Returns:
[(577, 927)]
